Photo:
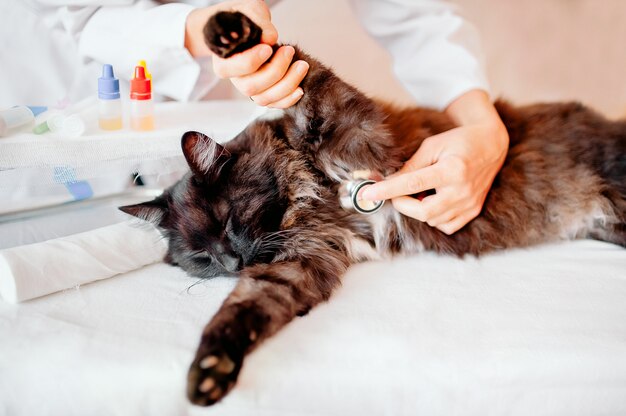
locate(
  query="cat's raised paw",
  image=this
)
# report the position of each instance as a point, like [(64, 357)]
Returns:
[(211, 377), (228, 33)]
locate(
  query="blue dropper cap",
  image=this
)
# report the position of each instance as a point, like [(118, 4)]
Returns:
[(108, 85)]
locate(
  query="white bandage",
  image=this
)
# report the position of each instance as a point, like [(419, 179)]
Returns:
[(34, 270)]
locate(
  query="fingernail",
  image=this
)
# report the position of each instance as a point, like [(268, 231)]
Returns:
[(301, 66), (298, 93), (289, 51), (368, 194), (265, 52)]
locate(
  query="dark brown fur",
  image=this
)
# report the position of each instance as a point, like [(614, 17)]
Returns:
[(265, 204)]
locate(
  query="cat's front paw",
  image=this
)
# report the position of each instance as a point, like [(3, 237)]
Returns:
[(232, 332), (228, 33), (211, 378)]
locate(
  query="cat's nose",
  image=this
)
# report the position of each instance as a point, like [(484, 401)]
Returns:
[(230, 263)]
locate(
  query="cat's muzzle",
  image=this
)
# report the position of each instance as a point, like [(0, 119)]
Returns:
[(350, 190)]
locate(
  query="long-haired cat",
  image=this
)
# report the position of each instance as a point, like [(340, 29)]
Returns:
[(265, 205)]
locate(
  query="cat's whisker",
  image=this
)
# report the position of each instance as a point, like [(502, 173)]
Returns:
[(193, 285), (277, 235)]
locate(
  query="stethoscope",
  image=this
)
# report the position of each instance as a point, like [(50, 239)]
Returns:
[(349, 191)]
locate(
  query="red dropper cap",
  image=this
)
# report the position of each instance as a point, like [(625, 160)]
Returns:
[(140, 86)]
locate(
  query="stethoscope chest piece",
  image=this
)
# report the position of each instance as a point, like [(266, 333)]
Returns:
[(350, 190)]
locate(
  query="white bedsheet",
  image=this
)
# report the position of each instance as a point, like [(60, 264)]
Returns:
[(539, 331)]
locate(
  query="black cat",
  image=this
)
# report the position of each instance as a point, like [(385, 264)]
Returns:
[(266, 204)]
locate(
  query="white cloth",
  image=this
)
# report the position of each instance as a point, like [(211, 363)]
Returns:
[(30, 164), (539, 331), (57, 48), (436, 54), (34, 270)]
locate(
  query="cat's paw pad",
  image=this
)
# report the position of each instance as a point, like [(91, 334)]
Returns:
[(228, 33), (211, 377)]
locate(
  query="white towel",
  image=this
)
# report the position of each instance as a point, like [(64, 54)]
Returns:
[(34, 270)]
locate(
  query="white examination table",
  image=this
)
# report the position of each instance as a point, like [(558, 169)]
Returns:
[(540, 331)]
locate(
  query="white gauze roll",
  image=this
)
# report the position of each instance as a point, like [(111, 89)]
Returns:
[(34, 270)]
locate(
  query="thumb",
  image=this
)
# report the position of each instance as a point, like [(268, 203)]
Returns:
[(269, 33), (260, 14)]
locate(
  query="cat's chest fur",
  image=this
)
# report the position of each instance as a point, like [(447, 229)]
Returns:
[(314, 198)]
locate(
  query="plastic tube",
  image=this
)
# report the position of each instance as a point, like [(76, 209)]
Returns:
[(18, 116), (68, 122)]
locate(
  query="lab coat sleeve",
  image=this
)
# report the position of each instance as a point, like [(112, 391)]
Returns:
[(436, 54), (121, 35)]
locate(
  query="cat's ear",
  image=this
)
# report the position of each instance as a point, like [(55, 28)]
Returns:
[(152, 211), (205, 156)]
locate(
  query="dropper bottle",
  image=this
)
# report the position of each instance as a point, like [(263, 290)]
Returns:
[(141, 107), (110, 104)]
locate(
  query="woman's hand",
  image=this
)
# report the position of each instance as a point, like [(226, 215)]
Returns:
[(460, 164), (269, 82)]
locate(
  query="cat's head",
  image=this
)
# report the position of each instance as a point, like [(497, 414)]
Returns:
[(218, 216)]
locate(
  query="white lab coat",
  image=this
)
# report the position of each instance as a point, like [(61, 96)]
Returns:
[(53, 49)]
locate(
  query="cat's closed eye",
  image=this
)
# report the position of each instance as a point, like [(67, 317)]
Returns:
[(201, 255)]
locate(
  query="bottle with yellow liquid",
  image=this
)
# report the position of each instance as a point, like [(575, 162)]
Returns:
[(110, 104), (141, 106)]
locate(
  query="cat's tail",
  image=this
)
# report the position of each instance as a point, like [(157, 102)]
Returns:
[(612, 168), (612, 165)]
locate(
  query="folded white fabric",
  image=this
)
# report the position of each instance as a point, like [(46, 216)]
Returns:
[(34, 270)]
